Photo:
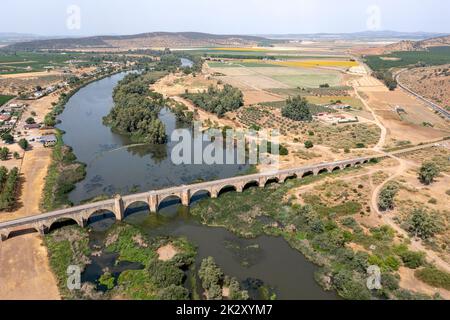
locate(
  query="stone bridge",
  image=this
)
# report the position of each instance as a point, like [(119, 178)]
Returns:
[(118, 205)]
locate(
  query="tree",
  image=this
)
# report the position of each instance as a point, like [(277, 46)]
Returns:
[(23, 143), (386, 196), (297, 109), (428, 172), (422, 224), (4, 153), (8, 138), (30, 120), (16, 155), (309, 144)]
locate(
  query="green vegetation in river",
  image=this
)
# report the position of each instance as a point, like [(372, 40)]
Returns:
[(67, 246), (62, 175), (136, 109), (320, 231)]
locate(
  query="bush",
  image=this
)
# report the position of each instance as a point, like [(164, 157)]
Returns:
[(8, 138), (386, 196), (23, 143), (309, 144), (4, 153), (30, 120), (412, 259), (422, 224), (428, 172), (434, 277)]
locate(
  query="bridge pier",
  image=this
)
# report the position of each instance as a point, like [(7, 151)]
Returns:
[(118, 208), (153, 203), (185, 198)]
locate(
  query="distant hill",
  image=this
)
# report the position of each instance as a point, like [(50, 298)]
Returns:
[(143, 40), (407, 45)]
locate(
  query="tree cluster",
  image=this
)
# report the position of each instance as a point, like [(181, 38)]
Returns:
[(9, 182), (213, 280), (216, 100), (297, 109), (135, 111)]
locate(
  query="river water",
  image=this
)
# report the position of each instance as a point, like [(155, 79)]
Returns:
[(114, 165)]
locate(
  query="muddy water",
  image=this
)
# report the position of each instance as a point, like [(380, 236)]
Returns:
[(115, 165)]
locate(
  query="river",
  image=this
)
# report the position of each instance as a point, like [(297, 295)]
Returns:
[(115, 166)]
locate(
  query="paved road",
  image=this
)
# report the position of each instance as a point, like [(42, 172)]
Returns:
[(433, 105)]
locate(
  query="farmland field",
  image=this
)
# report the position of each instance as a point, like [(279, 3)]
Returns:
[(267, 76), (5, 99), (435, 56), (33, 62)]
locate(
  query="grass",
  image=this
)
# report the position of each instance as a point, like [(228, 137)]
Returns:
[(67, 246), (325, 100), (62, 174), (434, 277), (5, 98)]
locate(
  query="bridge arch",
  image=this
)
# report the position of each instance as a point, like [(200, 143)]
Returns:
[(17, 233), (169, 200), (197, 195), (62, 222), (307, 173), (366, 161), (357, 164), (250, 184), (336, 169), (290, 177), (271, 180), (99, 215), (134, 207), (225, 189), (322, 171), (348, 166)]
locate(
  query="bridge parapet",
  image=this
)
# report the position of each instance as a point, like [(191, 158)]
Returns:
[(118, 205)]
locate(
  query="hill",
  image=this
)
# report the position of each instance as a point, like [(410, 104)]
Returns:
[(423, 45), (139, 41)]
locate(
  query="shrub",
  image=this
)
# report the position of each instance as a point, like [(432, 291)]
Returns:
[(412, 259), (434, 277), (386, 196), (422, 224), (428, 172), (309, 144), (23, 143)]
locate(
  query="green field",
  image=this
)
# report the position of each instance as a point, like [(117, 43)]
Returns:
[(432, 57), (34, 62), (5, 99), (308, 80)]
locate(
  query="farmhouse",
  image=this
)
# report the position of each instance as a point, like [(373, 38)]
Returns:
[(5, 117), (49, 140), (31, 126)]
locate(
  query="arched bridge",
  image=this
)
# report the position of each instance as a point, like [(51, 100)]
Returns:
[(118, 205)]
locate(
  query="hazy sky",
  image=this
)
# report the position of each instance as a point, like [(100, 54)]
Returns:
[(50, 17)]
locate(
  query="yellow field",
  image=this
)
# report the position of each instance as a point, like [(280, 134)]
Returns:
[(317, 63)]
